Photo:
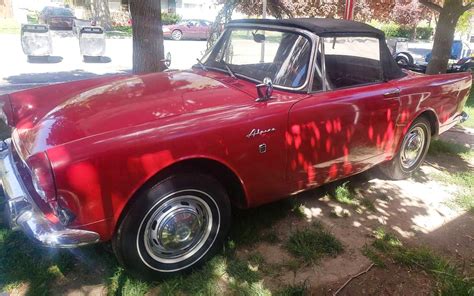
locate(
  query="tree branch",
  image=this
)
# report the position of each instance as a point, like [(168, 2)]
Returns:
[(431, 5), (467, 7)]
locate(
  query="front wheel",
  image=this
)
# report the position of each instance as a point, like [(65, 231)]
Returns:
[(174, 226), (176, 35), (412, 151)]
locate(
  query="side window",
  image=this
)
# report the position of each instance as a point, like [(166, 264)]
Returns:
[(352, 61)]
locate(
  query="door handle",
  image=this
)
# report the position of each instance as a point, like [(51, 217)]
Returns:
[(392, 93)]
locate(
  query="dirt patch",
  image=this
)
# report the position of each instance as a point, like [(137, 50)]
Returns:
[(391, 280)]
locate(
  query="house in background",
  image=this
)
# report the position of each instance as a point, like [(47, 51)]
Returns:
[(187, 9), (191, 9)]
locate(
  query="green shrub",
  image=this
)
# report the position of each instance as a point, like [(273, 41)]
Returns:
[(310, 244), (424, 32), (170, 18), (395, 30), (390, 30)]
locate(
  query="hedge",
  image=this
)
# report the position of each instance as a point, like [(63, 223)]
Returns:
[(394, 30), (170, 18)]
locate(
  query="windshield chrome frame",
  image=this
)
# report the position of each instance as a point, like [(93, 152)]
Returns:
[(313, 38)]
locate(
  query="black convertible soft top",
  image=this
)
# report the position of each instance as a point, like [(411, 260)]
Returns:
[(319, 26), (326, 27)]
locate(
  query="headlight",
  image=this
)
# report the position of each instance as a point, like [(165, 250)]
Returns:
[(37, 186), (42, 176)]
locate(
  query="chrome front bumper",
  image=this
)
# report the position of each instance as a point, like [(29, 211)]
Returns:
[(22, 213)]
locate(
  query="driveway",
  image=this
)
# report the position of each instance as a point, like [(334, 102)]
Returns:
[(66, 63)]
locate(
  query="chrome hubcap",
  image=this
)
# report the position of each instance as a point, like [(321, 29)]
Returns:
[(178, 229), (176, 35), (412, 147)]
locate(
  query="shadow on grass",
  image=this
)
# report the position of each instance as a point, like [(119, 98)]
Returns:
[(251, 225), (23, 263), (37, 269)]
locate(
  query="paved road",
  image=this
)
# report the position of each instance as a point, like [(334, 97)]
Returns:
[(66, 63)]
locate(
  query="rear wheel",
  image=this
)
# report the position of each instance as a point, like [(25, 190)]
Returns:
[(402, 61), (174, 226), (176, 35), (412, 151)]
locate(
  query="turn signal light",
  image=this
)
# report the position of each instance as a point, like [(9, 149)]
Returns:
[(42, 176)]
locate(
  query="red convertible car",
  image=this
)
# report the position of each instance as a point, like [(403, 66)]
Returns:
[(154, 162), (188, 29)]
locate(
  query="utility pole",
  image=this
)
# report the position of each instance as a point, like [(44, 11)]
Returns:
[(349, 10), (262, 47), (264, 13)]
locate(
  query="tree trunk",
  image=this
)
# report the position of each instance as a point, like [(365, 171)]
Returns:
[(443, 40), (101, 13), (449, 15), (148, 49), (413, 33)]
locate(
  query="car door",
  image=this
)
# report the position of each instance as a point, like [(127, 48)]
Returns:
[(204, 29), (348, 127), (192, 30)]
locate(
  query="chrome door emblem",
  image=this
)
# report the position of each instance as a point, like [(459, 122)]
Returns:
[(258, 132)]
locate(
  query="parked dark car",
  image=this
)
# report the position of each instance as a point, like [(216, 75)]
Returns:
[(58, 18), (188, 29)]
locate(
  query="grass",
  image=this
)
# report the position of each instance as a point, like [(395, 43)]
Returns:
[(120, 31), (368, 204), (312, 243), (464, 180), (343, 194), (347, 195), (41, 268), (242, 271), (464, 197), (21, 263), (250, 225), (370, 253), (439, 147), (293, 290), (448, 281), (469, 109)]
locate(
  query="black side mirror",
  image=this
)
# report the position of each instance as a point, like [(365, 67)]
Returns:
[(265, 90), (259, 38)]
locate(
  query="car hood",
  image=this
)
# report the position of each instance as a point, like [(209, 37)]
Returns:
[(123, 103)]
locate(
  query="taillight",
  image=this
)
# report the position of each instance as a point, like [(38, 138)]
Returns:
[(42, 176)]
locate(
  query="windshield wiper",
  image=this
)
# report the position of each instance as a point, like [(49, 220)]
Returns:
[(201, 64), (229, 70)]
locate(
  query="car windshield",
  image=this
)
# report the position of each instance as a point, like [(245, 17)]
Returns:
[(61, 12), (257, 54)]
